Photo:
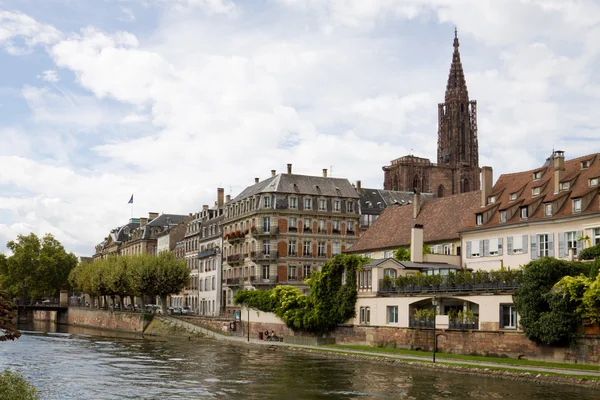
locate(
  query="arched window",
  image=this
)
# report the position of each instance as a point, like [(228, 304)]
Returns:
[(416, 183), (389, 272), (440, 191)]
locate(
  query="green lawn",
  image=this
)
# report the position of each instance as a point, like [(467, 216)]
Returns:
[(506, 361)]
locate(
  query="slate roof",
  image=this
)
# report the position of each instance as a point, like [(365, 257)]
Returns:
[(410, 265), (373, 201), (441, 219), (523, 183), (301, 184)]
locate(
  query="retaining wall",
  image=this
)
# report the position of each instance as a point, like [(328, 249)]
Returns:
[(104, 319)]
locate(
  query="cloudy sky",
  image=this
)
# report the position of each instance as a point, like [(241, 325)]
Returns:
[(169, 99)]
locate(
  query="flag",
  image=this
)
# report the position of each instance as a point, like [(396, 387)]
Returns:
[(130, 200)]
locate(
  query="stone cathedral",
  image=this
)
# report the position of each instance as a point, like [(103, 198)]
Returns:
[(457, 169)]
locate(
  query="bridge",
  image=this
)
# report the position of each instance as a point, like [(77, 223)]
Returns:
[(53, 312)]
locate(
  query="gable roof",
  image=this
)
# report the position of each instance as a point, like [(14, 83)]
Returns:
[(522, 183), (301, 184), (441, 219), (373, 201)]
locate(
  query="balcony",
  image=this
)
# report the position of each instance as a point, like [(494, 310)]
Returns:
[(414, 323), (207, 253), (307, 254), (258, 280), (235, 258), (350, 233), (293, 229), (336, 231), (232, 281), (322, 255), (293, 278), (261, 255), (307, 229), (292, 254), (261, 230), (235, 235)]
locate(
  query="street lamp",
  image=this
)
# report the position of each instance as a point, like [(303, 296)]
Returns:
[(434, 301)]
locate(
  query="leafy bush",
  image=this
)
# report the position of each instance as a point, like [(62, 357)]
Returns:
[(330, 302), (14, 387), (590, 253), (424, 314), (547, 316)]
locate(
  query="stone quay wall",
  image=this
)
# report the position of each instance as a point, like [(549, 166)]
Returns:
[(104, 319)]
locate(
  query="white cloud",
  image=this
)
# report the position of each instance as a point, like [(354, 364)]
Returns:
[(19, 32), (49, 76)]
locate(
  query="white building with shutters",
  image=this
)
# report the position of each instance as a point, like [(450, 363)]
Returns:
[(550, 211)]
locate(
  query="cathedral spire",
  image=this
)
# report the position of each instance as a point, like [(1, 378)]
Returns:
[(457, 86)]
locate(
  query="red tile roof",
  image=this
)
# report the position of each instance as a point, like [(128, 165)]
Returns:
[(577, 176), (441, 219)]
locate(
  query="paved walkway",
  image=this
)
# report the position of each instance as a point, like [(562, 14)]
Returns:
[(439, 358)]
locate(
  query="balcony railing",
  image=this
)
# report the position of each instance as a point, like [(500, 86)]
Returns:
[(292, 278), (259, 280), (350, 233), (414, 323), (234, 258), (293, 229), (448, 285), (207, 253), (292, 254), (307, 254), (463, 325), (261, 230), (232, 281), (454, 324), (261, 255), (322, 255), (307, 229)]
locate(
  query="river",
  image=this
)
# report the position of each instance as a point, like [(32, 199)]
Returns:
[(78, 363)]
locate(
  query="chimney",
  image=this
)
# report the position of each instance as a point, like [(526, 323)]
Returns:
[(358, 185), (152, 215), (227, 198), (416, 243), (289, 169), (487, 182), (205, 207), (559, 168), (143, 221), (325, 172), (416, 204), (273, 172), (256, 180), (220, 193)]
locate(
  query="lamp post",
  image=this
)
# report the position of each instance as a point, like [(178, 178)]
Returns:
[(434, 301), (248, 323)]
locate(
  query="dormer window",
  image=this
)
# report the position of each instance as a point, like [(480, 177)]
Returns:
[(593, 182), (535, 191), (585, 164), (293, 202), (513, 196), (564, 186), (491, 199), (537, 175), (576, 205), (502, 216), (267, 202), (548, 209), (523, 212), (479, 219)]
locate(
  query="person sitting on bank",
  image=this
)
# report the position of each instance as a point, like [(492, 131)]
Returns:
[(266, 335), (273, 336)]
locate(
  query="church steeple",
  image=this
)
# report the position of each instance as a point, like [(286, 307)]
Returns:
[(457, 85)]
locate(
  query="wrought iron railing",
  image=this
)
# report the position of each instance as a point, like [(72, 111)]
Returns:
[(207, 253), (447, 284), (261, 255), (258, 280)]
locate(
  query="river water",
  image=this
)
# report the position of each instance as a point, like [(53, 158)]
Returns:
[(77, 363)]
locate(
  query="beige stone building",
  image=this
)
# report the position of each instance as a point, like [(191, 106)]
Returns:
[(280, 229)]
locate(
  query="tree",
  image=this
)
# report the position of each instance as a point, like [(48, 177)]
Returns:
[(7, 316), (172, 275), (547, 316), (403, 253), (331, 300), (39, 267), (14, 387)]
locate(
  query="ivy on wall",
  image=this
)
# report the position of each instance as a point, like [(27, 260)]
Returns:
[(329, 302)]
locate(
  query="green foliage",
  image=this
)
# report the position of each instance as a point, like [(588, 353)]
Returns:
[(460, 277), (584, 293), (590, 253), (330, 302), (39, 267), (547, 316), (7, 315), (403, 253), (424, 314), (595, 268), (14, 387), (466, 317)]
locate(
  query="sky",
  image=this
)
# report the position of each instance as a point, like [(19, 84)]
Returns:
[(170, 99)]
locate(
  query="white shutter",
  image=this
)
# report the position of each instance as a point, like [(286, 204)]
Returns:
[(551, 244), (534, 253), (500, 246), (525, 247), (486, 248), (579, 242), (468, 249), (561, 245), (481, 248), (509, 245)]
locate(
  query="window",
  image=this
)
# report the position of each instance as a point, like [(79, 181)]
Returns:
[(336, 205), (365, 279), (479, 219), (571, 239), (293, 224), (307, 224), (335, 226), (266, 246), (365, 315), (306, 270), (321, 226), (322, 205), (593, 182), (447, 249), (576, 205), (492, 199), (350, 207), (535, 191), (502, 216), (292, 248), (585, 164), (267, 224), (493, 246), (389, 272), (475, 248), (388, 254), (306, 248), (265, 271), (392, 314), (350, 227), (564, 186), (523, 212), (267, 202), (513, 196), (321, 249), (596, 236), (537, 175), (336, 248), (517, 244), (292, 273), (293, 202), (548, 209), (544, 250), (308, 204), (508, 315)]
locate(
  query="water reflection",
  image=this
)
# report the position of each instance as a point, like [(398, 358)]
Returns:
[(89, 364)]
